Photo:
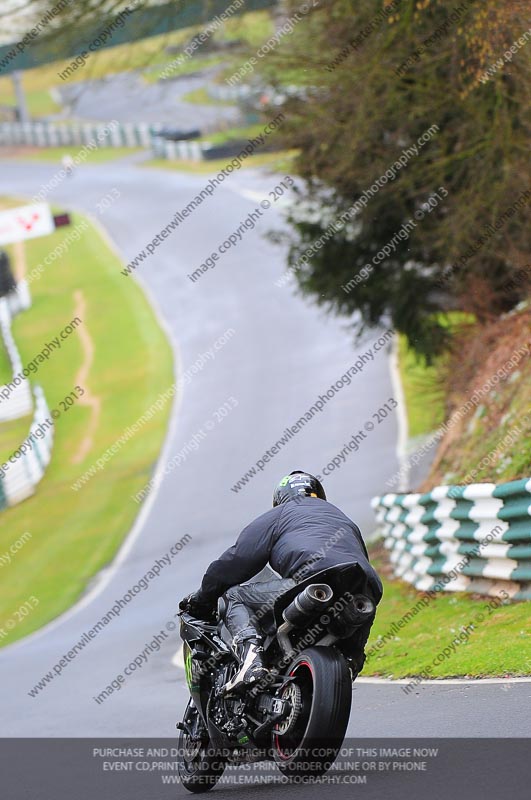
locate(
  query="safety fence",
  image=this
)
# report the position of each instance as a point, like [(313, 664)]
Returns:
[(26, 466), (15, 397), (474, 538)]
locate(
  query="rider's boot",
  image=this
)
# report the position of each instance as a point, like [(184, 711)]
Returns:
[(252, 668)]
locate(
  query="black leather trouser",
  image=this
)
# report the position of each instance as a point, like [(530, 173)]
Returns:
[(247, 605)]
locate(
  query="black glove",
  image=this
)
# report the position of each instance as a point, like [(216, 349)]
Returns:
[(195, 605)]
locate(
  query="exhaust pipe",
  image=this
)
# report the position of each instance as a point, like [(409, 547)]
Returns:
[(311, 600), (360, 609)]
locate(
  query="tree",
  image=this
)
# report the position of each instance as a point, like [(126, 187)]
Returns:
[(376, 77)]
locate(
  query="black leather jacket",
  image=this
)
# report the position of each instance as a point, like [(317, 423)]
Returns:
[(297, 539)]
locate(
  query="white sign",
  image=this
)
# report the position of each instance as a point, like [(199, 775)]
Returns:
[(25, 222)]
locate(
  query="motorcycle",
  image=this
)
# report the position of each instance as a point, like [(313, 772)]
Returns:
[(297, 715)]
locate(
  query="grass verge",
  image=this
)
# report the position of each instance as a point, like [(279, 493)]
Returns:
[(426, 386), (168, 69), (6, 372), (233, 134), (39, 101), (250, 30), (423, 391), (499, 645), (12, 434), (201, 97), (274, 162), (74, 534), (54, 155), (492, 442)]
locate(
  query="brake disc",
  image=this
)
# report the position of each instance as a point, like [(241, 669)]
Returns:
[(293, 694)]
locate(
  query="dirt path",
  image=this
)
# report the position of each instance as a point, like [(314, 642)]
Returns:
[(88, 399)]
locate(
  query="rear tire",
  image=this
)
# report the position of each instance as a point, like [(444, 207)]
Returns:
[(200, 765), (308, 743)]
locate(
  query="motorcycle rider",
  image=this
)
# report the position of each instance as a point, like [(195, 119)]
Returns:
[(302, 534)]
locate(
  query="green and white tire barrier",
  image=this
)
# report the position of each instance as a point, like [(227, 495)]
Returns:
[(20, 298), (230, 94), (127, 134), (27, 465), (474, 538), (15, 397), (244, 91), (50, 134), (178, 151)]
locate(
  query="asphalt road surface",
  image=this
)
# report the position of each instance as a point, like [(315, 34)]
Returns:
[(126, 97), (282, 355)]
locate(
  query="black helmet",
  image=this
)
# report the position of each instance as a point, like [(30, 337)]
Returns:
[(297, 484)]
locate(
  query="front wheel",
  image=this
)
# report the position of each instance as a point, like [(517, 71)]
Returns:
[(319, 690), (200, 766)]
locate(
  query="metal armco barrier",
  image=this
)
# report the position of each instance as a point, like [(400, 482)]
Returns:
[(15, 400), (474, 538), (27, 465)]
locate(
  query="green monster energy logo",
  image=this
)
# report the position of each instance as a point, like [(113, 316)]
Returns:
[(285, 480), (189, 665)]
